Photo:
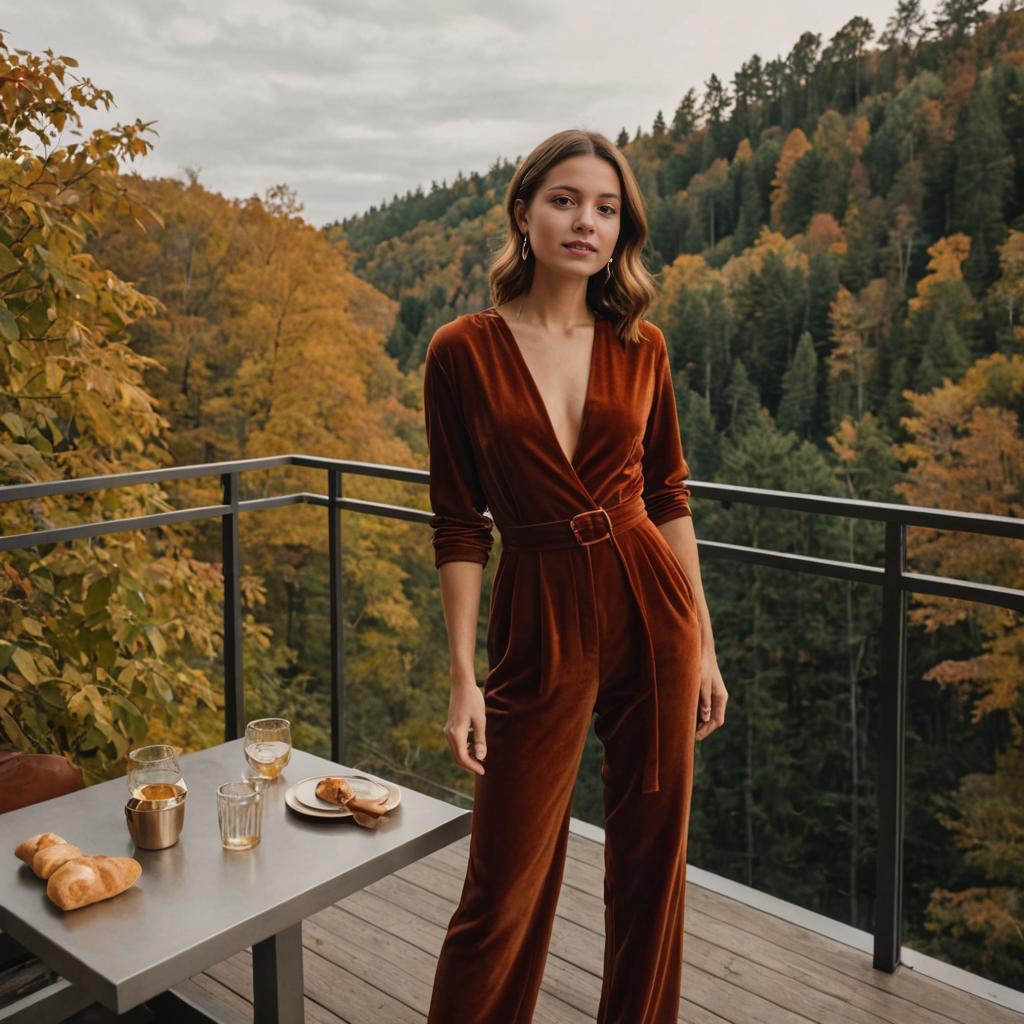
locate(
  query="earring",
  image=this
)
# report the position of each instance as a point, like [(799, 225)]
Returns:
[(522, 251), (608, 269)]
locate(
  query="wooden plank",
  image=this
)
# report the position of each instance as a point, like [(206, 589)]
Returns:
[(372, 957), (807, 972), (355, 999), (332, 937), (575, 956), (945, 1000), (948, 1002), (235, 974), (216, 1000), (737, 1005), (346, 938), (805, 978)]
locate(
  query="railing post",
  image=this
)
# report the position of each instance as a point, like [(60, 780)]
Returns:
[(891, 730), (234, 693), (337, 620)]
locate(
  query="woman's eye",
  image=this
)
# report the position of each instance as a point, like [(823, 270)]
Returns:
[(610, 210)]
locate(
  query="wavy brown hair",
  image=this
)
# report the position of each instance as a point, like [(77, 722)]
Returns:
[(624, 297)]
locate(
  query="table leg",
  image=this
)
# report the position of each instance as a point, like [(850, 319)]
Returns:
[(277, 985)]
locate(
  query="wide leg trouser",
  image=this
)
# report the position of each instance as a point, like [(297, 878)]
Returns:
[(492, 960)]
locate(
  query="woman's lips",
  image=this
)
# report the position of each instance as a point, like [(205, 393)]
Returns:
[(578, 250)]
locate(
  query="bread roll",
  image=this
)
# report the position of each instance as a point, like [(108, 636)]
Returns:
[(86, 880), (49, 858), (28, 848)]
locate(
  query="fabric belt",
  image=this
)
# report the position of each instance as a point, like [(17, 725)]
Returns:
[(592, 526), (587, 527)]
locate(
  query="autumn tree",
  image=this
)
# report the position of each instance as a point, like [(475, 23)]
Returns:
[(105, 640), (967, 452), (942, 313), (795, 146)]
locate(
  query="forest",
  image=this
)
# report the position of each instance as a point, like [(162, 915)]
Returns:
[(838, 240)]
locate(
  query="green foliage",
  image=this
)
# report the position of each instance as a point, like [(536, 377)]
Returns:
[(101, 640)]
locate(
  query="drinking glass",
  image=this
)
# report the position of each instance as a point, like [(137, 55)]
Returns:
[(268, 745), (154, 773), (240, 813), (257, 781)]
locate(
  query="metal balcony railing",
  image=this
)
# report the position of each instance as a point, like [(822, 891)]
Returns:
[(892, 576)]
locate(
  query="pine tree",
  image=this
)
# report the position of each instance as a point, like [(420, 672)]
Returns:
[(799, 390)]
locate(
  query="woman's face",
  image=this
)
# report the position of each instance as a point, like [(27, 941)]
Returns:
[(579, 200)]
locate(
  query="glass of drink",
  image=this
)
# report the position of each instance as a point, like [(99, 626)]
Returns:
[(240, 813), (256, 780), (268, 745), (154, 774)]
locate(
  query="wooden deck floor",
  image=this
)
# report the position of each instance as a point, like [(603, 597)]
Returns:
[(370, 958)]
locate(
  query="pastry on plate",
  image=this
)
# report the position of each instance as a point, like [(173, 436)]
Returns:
[(336, 790)]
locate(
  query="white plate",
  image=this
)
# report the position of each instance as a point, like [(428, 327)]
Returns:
[(291, 798), (364, 788)]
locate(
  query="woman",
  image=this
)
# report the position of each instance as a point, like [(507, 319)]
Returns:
[(555, 410)]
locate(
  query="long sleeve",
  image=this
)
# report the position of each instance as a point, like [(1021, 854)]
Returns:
[(665, 494), (461, 532)]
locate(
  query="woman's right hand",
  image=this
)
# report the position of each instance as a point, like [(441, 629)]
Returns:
[(466, 711)]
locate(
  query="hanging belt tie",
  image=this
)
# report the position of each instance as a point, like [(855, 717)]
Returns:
[(592, 526)]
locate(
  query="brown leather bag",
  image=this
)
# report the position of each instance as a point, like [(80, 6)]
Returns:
[(30, 778)]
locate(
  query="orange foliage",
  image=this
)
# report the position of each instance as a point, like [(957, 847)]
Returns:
[(946, 264), (793, 148), (967, 452)]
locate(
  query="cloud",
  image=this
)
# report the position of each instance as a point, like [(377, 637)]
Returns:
[(349, 104)]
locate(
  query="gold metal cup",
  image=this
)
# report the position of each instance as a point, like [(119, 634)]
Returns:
[(155, 824)]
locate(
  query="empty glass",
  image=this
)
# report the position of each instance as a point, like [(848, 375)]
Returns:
[(240, 813)]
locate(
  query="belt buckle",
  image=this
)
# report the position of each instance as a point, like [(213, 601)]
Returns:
[(589, 511)]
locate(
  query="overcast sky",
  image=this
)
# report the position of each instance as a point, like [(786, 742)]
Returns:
[(349, 103)]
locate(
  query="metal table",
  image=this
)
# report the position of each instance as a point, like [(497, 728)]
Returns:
[(197, 904)]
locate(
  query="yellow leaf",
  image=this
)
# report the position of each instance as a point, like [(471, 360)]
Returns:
[(25, 664)]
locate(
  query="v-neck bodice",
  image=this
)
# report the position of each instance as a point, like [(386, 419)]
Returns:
[(531, 382), (479, 391)]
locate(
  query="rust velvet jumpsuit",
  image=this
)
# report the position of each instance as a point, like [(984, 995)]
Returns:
[(590, 613)]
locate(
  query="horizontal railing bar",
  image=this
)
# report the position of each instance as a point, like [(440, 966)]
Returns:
[(404, 474), (939, 586), (814, 504), (855, 508), (86, 484), (58, 534), (412, 515), (912, 582)]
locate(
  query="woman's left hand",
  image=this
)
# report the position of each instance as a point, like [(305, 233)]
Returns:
[(713, 697)]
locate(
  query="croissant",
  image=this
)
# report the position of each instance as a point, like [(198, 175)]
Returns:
[(28, 848), (336, 790), (49, 858), (86, 880)]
